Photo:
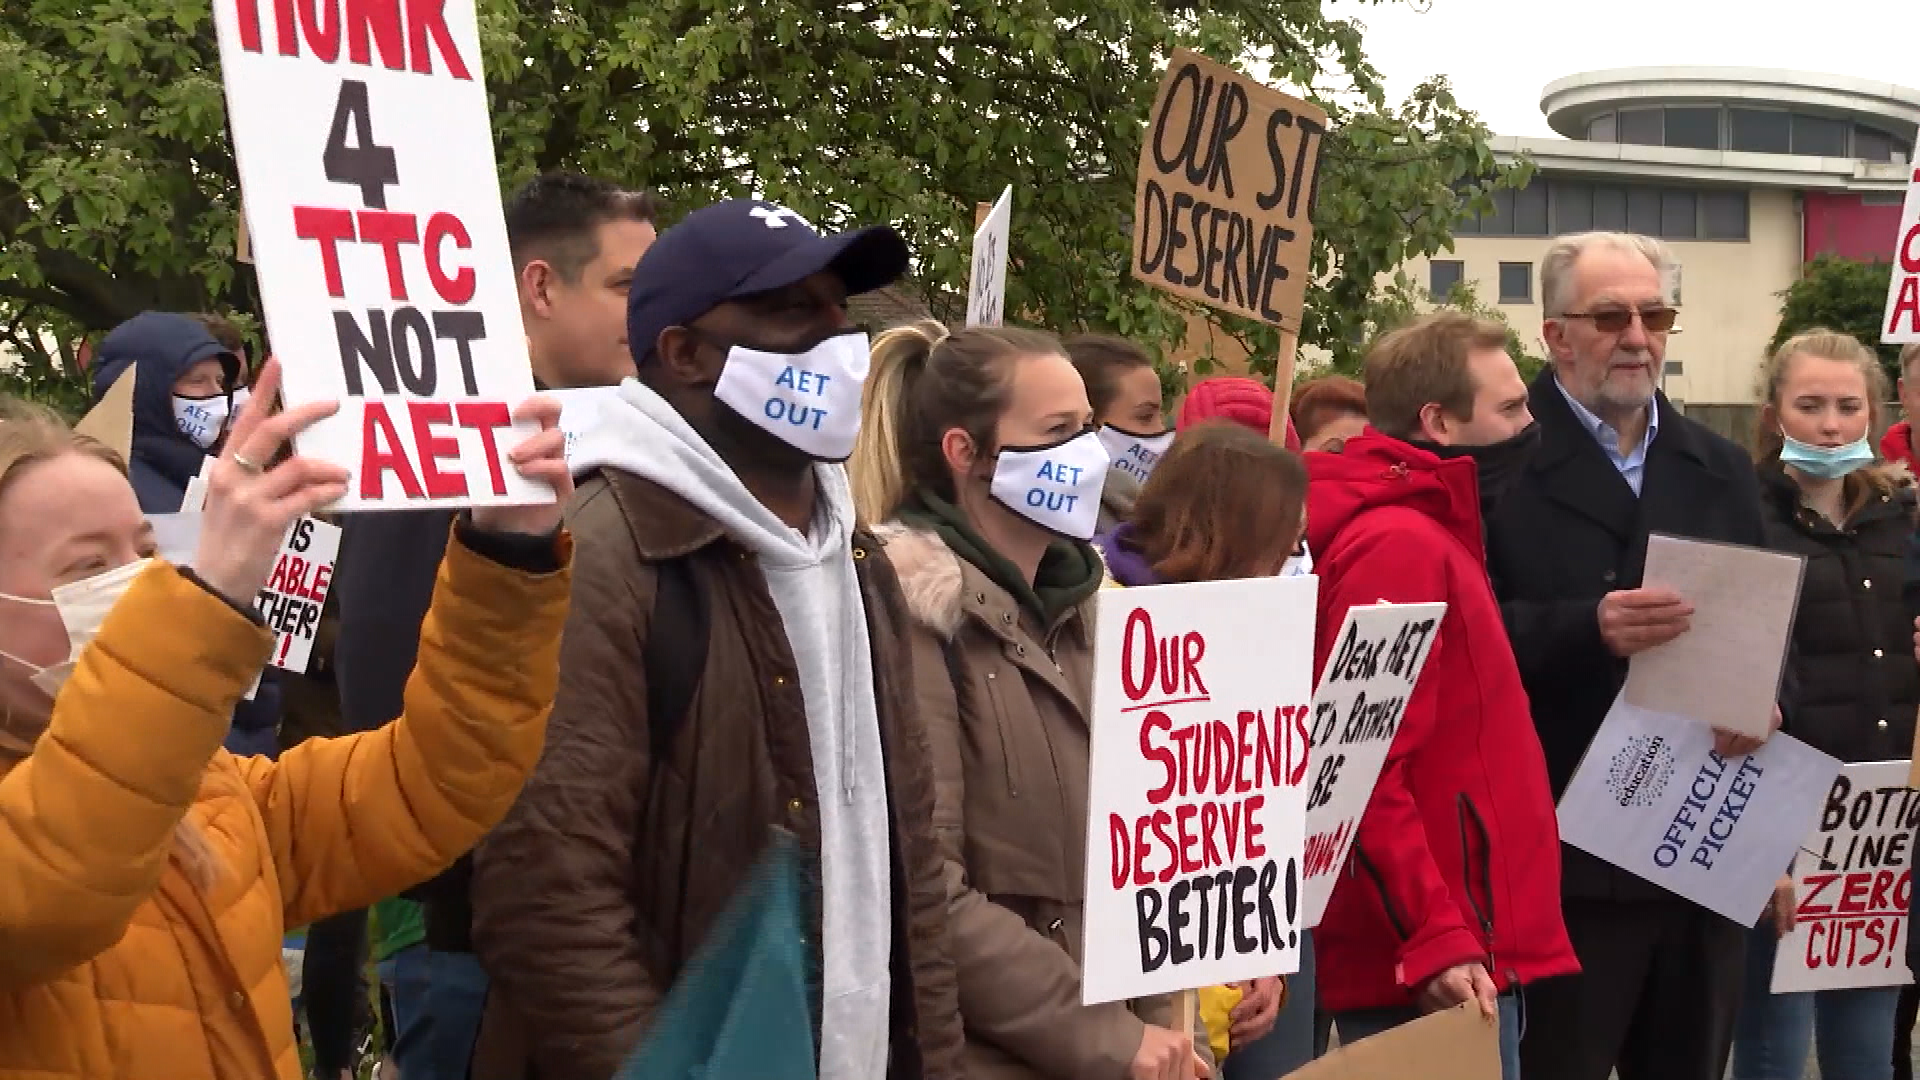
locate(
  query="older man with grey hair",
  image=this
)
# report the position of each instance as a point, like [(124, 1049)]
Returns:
[(1661, 976)]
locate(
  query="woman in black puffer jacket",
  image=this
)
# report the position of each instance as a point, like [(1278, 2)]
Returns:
[(1826, 498)]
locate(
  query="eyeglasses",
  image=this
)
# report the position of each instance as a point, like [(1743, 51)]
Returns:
[(1658, 320)]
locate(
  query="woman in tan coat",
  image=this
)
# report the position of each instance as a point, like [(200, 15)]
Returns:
[(979, 451), (147, 875)]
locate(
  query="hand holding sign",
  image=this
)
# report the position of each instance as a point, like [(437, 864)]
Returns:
[(249, 506), (1166, 1054), (541, 459), (1634, 620)]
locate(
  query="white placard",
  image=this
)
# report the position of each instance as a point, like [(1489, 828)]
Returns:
[(1197, 799), (1652, 798), (373, 210), (1902, 323), (987, 283), (296, 591), (1853, 879), (1725, 670), (1357, 707)]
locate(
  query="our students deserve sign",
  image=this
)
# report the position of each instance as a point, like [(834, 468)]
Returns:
[(1853, 879), (1197, 795), (360, 127), (1228, 174)]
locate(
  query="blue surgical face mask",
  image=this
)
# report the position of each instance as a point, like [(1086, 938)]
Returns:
[(1827, 463)]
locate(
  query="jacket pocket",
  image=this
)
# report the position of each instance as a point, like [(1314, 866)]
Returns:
[(1003, 725), (1372, 872)]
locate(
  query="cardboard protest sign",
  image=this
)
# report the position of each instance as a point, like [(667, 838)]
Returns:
[(1853, 879), (1223, 209), (1357, 706), (987, 284), (297, 589), (1197, 798), (110, 421), (373, 214), (1652, 798), (1453, 1044), (1902, 323)]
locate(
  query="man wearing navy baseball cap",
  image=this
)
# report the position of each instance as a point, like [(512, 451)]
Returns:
[(733, 665)]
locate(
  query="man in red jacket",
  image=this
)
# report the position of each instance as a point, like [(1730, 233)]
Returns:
[(1897, 443), (1452, 892)]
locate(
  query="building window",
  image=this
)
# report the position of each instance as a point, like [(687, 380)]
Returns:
[(1871, 145), (1817, 136), (1674, 367), (1759, 131), (1530, 209), (1679, 215), (1572, 207), (1600, 128), (1723, 215), (1694, 128), (1643, 210), (1516, 283), (1443, 276), (1642, 126), (1610, 209), (1500, 221)]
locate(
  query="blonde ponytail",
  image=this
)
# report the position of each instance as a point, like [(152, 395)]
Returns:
[(878, 475)]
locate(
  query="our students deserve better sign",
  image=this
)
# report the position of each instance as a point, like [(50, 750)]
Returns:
[(1197, 799), (360, 127)]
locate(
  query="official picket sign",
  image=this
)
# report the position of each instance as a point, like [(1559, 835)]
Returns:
[(1197, 798), (1852, 881), (374, 214), (987, 283), (1652, 798), (1223, 211), (1369, 678), (1902, 324), (296, 591)]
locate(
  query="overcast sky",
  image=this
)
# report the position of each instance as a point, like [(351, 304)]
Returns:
[(1499, 54)]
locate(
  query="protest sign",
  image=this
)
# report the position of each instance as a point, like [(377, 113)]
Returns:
[(1724, 672), (1652, 798), (1902, 323), (1452, 1044), (987, 284), (1223, 209), (1197, 798), (1852, 881), (296, 591), (1357, 706), (373, 213)]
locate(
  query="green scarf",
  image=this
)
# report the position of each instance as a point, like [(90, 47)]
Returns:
[(1070, 571)]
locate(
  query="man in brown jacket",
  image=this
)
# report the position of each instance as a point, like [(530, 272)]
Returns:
[(734, 665)]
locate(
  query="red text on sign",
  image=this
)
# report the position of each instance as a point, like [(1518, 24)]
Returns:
[(391, 230), (386, 448), (404, 32), (1174, 660)]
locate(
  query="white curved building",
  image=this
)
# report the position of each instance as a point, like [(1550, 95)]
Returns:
[(1746, 172)]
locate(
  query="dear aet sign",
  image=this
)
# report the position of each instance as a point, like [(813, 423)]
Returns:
[(366, 158)]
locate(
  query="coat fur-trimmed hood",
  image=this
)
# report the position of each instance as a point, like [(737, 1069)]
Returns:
[(933, 577)]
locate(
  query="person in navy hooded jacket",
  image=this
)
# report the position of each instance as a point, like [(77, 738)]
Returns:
[(183, 383)]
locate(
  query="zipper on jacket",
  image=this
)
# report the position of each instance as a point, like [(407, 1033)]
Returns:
[(1380, 885), (1470, 814)]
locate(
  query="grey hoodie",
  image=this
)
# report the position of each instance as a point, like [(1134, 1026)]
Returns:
[(811, 578)]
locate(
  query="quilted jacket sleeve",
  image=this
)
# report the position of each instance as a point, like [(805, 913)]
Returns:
[(87, 819), (356, 819)]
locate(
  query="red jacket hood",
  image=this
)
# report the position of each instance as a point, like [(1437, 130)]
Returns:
[(1373, 470), (1897, 443)]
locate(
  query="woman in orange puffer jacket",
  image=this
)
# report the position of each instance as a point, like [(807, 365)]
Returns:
[(146, 875)]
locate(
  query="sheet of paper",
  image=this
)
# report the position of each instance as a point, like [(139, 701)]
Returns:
[(1725, 670), (1652, 798)]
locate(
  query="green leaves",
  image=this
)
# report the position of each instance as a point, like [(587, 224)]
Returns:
[(1840, 294)]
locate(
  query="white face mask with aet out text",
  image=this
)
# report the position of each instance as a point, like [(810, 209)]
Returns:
[(202, 419), (1135, 455), (1056, 486), (83, 606), (809, 400)]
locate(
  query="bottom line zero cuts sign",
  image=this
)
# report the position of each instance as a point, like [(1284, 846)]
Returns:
[(1197, 799), (1852, 881)]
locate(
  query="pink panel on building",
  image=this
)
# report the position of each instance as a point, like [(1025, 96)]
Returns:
[(1848, 226)]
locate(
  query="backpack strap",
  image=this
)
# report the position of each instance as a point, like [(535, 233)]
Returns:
[(675, 652)]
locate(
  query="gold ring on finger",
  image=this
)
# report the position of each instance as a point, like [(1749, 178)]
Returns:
[(248, 465)]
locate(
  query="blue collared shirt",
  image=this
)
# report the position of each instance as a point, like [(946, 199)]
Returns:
[(1632, 466)]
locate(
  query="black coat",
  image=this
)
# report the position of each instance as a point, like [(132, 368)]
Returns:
[(1857, 685), (1569, 532)]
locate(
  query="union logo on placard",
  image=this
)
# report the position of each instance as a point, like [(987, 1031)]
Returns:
[(1638, 773)]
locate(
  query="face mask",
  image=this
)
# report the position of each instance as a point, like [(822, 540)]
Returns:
[(1057, 487), (1499, 464), (201, 419), (808, 400), (1135, 455), (240, 398), (1827, 463), (83, 606)]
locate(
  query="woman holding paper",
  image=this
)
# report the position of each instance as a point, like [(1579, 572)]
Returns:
[(1226, 503), (148, 874), (987, 466), (1827, 498)]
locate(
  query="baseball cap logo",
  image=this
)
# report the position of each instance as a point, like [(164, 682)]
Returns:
[(777, 217)]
